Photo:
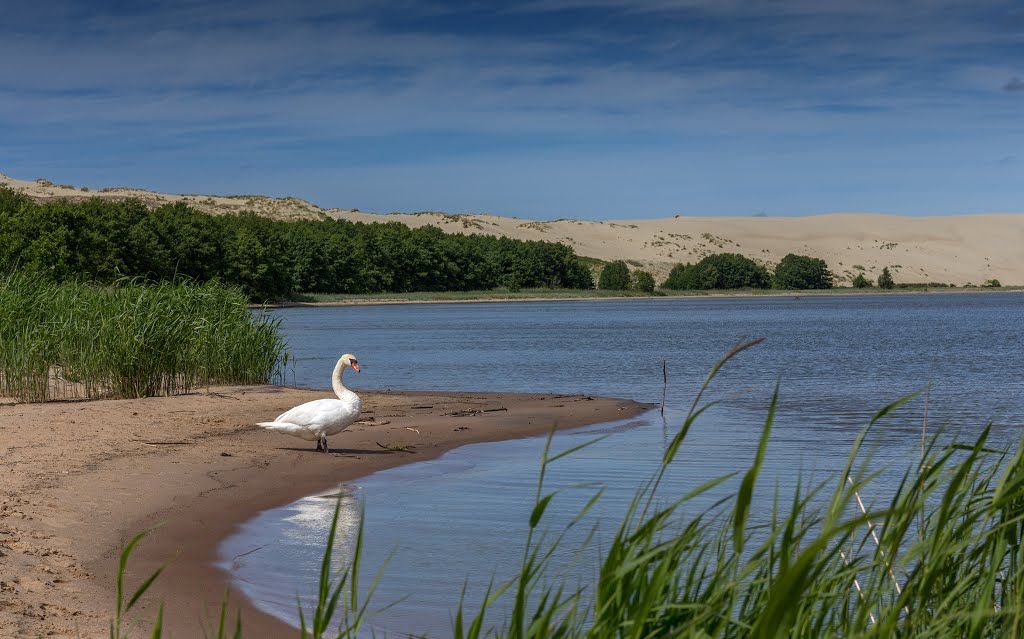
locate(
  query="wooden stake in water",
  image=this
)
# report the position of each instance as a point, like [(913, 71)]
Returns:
[(664, 383)]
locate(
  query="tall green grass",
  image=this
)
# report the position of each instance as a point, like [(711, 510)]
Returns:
[(941, 557), (75, 340)]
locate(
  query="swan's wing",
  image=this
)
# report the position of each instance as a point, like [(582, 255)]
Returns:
[(345, 414), (318, 412)]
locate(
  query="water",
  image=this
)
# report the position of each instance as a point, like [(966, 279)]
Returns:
[(461, 519)]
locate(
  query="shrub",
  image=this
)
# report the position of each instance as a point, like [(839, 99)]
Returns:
[(643, 282), (861, 282), (614, 276), (992, 283), (719, 271), (885, 279), (802, 272)]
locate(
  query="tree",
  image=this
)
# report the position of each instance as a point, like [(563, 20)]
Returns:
[(722, 270), (643, 282), (677, 277), (885, 279), (992, 284), (100, 241), (614, 277), (802, 272), (861, 282)]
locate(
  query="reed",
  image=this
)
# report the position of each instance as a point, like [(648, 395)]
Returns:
[(942, 557), (78, 341)]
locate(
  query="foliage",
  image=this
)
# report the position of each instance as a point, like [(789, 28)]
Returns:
[(719, 271), (992, 283), (802, 272), (861, 282), (643, 282), (925, 285), (614, 276), (268, 259), (74, 340), (885, 279), (939, 557)]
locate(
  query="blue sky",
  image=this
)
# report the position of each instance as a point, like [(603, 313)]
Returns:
[(544, 109)]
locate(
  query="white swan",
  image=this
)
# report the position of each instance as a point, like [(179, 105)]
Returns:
[(319, 418)]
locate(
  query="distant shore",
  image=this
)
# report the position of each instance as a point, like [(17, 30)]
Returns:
[(930, 248), (81, 478), (554, 295)]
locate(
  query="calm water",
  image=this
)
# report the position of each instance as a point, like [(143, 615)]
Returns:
[(460, 519)]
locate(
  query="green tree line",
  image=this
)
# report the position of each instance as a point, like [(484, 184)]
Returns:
[(732, 270), (104, 240)]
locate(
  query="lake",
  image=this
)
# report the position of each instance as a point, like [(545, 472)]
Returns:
[(459, 520)]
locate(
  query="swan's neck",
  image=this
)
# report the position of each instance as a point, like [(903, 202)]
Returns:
[(336, 383)]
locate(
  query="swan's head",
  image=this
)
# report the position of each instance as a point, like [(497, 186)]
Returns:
[(350, 361)]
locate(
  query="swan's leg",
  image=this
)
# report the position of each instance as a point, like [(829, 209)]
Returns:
[(319, 444), (326, 447)]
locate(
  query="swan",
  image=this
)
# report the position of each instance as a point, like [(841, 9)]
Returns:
[(319, 418)]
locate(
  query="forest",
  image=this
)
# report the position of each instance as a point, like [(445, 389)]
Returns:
[(103, 241)]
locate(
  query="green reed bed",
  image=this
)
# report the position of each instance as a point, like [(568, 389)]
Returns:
[(75, 340), (941, 556)]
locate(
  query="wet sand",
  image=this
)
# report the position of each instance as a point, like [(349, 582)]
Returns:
[(79, 479)]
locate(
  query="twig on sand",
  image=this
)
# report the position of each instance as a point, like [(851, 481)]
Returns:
[(396, 449), (469, 412), (222, 395), (234, 560)]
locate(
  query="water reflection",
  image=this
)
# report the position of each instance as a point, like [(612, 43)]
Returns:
[(269, 558)]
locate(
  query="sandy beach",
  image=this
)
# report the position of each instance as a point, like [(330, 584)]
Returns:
[(81, 478), (498, 298)]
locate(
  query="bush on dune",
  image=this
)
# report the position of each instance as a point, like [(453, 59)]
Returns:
[(885, 279), (643, 282), (802, 272), (719, 271), (614, 277)]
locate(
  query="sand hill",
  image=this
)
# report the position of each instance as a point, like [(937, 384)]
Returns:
[(952, 249)]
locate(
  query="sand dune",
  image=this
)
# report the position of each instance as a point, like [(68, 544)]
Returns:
[(958, 249)]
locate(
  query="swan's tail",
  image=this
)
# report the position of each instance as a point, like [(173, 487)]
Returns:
[(284, 427)]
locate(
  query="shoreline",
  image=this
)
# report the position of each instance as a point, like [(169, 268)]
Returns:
[(87, 476), (742, 294)]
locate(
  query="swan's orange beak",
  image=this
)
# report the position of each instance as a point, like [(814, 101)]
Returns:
[(355, 367)]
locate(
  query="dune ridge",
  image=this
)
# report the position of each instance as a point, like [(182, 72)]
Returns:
[(953, 249)]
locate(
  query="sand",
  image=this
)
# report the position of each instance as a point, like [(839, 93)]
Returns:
[(79, 479), (951, 249)]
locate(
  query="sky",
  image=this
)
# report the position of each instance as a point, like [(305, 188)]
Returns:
[(601, 109)]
